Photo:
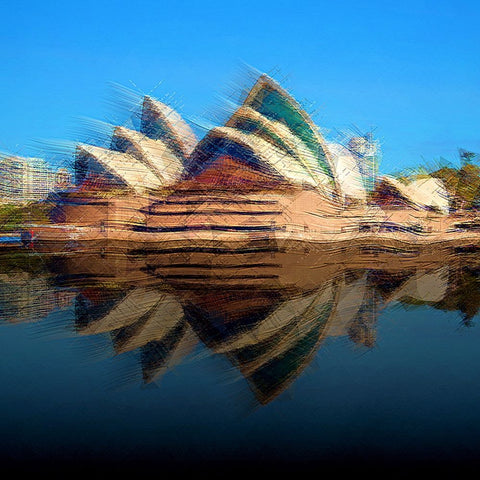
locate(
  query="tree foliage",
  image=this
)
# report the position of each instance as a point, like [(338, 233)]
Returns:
[(463, 185), (13, 217)]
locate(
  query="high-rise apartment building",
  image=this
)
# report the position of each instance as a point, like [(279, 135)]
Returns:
[(25, 179)]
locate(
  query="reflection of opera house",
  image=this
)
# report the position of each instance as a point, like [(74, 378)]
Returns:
[(268, 331), (267, 178)]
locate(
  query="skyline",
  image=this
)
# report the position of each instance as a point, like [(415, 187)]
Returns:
[(411, 71)]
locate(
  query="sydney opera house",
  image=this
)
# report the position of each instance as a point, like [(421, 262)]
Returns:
[(259, 241), (266, 178)]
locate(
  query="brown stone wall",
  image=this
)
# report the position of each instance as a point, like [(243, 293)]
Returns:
[(92, 211)]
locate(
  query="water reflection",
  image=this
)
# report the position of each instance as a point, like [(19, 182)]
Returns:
[(268, 313)]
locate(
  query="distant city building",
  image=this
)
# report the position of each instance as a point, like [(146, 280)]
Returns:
[(367, 152), (63, 179), (29, 179), (11, 178), (38, 179)]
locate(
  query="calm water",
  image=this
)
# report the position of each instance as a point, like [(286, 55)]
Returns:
[(118, 365)]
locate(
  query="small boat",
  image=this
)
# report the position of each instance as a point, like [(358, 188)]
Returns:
[(10, 241)]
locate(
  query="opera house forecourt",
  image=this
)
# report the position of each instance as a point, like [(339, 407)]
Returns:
[(266, 179)]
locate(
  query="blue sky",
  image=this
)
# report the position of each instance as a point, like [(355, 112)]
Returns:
[(411, 69)]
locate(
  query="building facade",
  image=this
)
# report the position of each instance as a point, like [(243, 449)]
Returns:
[(27, 179)]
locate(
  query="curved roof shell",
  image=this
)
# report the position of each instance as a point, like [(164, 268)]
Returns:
[(249, 121), (348, 176), (275, 103), (160, 122), (154, 154), (123, 166), (251, 149), (422, 192)]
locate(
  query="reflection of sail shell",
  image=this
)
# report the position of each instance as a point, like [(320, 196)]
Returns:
[(301, 322), (424, 286), (273, 371), (350, 299), (159, 356), (136, 303), (274, 352), (163, 318), (151, 321), (277, 320)]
